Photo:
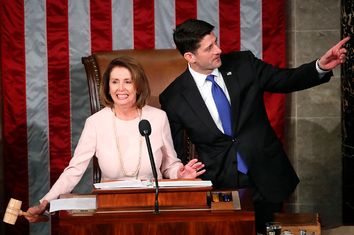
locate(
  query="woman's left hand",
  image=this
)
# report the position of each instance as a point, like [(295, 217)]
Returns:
[(191, 170)]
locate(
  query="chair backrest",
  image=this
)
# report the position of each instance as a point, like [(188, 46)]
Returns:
[(162, 66)]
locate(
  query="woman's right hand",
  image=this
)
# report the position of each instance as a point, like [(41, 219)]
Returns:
[(35, 213)]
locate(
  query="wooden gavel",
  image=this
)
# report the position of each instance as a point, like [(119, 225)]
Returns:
[(13, 210)]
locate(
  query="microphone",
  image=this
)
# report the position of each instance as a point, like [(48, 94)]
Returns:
[(145, 130)]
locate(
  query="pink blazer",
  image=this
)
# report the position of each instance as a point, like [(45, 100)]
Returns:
[(125, 144)]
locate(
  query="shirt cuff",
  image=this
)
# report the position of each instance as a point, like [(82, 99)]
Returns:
[(320, 71)]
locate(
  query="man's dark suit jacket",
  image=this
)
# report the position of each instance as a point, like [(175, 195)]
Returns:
[(246, 79)]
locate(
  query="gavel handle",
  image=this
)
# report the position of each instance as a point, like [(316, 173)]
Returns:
[(24, 213)]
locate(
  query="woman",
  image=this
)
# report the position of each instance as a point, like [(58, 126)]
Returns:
[(112, 134)]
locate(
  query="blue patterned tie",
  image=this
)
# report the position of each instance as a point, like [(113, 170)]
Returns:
[(224, 110)]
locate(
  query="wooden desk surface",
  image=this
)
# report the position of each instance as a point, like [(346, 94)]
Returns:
[(193, 222)]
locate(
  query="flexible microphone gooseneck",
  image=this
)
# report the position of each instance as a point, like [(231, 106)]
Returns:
[(145, 130)]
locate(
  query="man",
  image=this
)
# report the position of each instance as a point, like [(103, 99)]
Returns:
[(243, 151)]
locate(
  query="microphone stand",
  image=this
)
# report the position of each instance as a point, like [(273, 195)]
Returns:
[(154, 172)]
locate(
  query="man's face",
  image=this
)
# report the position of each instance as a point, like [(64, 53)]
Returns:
[(207, 57)]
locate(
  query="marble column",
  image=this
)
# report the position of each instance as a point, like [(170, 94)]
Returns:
[(347, 78)]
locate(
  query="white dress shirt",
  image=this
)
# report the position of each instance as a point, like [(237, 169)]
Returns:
[(204, 88)]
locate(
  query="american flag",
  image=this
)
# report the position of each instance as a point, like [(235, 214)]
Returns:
[(44, 88)]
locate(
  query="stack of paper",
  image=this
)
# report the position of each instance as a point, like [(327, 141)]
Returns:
[(150, 184), (120, 184), (78, 203), (182, 183)]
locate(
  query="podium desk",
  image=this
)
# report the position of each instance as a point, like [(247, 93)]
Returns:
[(183, 211), (193, 222)]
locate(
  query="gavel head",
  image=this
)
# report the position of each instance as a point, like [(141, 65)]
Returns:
[(13, 210)]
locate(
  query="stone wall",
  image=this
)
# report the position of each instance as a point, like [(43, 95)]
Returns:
[(313, 117)]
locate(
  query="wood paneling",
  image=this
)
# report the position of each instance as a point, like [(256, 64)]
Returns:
[(167, 222)]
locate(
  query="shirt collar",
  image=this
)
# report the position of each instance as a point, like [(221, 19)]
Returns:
[(199, 78)]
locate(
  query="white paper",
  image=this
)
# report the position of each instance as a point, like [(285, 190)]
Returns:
[(120, 184), (185, 183), (151, 184), (79, 203)]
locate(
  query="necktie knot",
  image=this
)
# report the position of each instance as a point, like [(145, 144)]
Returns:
[(210, 78)]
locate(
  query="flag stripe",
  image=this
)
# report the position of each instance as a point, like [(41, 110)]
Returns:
[(79, 32), (251, 25), (14, 107), (36, 90), (164, 23), (208, 10), (37, 118), (144, 35), (229, 21), (101, 25), (185, 9), (122, 24), (58, 87), (273, 29)]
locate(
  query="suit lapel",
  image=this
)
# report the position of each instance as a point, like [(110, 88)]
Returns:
[(194, 99)]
